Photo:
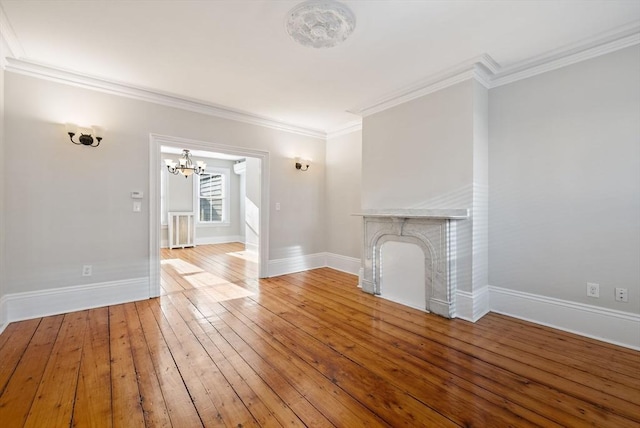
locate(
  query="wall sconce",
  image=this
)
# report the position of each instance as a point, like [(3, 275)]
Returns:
[(85, 139), (302, 164)]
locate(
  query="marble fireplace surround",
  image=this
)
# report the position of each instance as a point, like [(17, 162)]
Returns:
[(434, 231)]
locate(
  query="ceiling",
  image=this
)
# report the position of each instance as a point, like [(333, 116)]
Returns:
[(237, 53)]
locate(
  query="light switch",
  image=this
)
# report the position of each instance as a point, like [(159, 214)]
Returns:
[(277, 206), (137, 206)]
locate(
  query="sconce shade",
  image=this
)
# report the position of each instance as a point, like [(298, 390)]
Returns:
[(85, 139), (302, 164)]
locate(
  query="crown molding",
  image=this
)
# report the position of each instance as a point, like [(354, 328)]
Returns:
[(41, 71), (9, 37), (490, 74), (347, 128), (480, 68), (602, 44)]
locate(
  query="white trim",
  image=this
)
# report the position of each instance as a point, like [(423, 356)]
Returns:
[(47, 72), (42, 303), (567, 55), (218, 239), (3, 314), (343, 263), (155, 142), (279, 267), (9, 37), (472, 306), (483, 69), (608, 325), (345, 129), (491, 75), (226, 197), (480, 68), (350, 265)]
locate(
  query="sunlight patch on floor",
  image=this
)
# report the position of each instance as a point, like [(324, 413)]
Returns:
[(250, 256), (181, 266), (204, 279), (227, 291)]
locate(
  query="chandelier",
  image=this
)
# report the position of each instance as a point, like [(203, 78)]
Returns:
[(185, 165)]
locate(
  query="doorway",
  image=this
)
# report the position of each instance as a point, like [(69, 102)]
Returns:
[(255, 208)]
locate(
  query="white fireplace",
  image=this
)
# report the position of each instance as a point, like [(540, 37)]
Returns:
[(434, 232)]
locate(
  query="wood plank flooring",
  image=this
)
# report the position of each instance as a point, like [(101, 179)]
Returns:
[(222, 348)]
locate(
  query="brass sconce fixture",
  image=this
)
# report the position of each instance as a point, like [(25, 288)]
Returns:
[(95, 136)]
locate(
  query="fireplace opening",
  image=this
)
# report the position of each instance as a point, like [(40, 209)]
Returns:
[(402, 274)]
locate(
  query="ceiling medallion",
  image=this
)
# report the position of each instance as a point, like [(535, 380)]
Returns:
[(320, 23)]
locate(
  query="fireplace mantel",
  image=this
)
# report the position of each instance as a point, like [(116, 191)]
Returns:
[(434, 231), (444, 214)]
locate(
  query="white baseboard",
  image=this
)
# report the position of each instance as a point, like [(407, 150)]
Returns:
[(472, 306), (36, 304), (279, 267), (343, 263), (3, 314), (209, 240), (608, 325), (251, 247)]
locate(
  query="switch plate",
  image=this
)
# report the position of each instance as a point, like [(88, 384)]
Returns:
[(277, 206), (86, 270), (137, 206)]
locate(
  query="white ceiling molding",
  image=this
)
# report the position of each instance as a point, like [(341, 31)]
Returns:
[(483, 69), (590, 48), (490, 74), (480, 68), (9, 37), (346, 129), (33, 69)]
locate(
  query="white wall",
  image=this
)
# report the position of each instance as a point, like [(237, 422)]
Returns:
[(564, 193), (74, 207), (343, 194)]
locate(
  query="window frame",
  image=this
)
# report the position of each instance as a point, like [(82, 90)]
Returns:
[(226, 198)]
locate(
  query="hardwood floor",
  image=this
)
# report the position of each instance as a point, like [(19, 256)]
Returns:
[(222, 348)]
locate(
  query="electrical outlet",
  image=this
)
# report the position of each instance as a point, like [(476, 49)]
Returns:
[(86, 270), (622, 295), (593, 289)]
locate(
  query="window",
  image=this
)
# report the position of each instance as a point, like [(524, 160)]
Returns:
[(212, 196)]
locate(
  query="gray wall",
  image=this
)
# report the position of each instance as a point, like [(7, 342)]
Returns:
[(2, 184), (343, 193), (420, 154), (298, 203), (564, 181), (74, 205)]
